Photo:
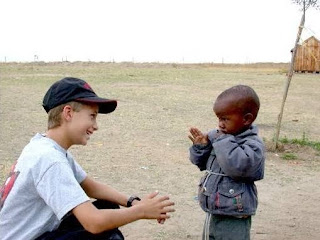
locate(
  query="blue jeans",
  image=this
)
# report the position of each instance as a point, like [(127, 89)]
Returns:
[(71, 229)]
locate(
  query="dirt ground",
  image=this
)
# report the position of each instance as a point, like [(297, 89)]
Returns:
[(143, 145)]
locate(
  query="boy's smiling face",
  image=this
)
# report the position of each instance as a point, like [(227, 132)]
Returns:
[(231, 118), (82, 124)]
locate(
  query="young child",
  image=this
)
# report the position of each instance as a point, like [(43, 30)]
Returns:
[(47, 194), (233, 158)]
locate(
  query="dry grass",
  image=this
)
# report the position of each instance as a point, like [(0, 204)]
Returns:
[(143, 145)]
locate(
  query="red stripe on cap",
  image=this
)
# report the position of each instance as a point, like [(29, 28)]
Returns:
[(87, 86)]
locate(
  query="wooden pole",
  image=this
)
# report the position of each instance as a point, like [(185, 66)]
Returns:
[(290, 74)]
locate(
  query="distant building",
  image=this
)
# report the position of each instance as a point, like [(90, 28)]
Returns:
[(308, 56)]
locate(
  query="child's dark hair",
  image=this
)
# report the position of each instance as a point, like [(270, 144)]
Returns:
[(247, 99)]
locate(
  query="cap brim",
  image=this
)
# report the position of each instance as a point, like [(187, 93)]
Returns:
[(105, 105)]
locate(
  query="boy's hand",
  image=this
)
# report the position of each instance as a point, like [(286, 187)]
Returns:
[(156, 207), (160, 220), (197, 137)]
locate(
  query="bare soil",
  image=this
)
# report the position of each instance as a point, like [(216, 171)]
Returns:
[(143, 145)]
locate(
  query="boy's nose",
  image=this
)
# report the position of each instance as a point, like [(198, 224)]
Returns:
[(221, 125), (95, 126)]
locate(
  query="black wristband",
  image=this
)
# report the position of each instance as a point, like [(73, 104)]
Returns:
[(131, 199)]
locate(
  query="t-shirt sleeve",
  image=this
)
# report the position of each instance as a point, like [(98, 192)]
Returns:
[(79, 173), (60, 189)]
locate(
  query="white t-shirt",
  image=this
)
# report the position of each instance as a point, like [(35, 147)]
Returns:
[(47, 187)]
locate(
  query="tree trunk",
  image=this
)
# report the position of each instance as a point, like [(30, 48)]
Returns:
[(290, 74)]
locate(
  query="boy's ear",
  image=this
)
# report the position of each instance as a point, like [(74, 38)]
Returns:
[(67, 112), (248, 119)]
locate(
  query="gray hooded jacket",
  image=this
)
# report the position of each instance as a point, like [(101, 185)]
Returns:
[(232, 164)]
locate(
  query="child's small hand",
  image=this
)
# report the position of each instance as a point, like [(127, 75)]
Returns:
[(197, 137)]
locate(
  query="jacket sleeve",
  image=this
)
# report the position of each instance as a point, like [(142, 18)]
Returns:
[(240, 159), (199, 155)]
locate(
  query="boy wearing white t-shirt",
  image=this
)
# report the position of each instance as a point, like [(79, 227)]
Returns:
[(47, 194)]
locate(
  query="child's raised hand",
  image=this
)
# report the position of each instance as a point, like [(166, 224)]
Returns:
[(197, 137)]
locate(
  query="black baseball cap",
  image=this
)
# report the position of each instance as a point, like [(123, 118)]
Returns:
[(74, 89)]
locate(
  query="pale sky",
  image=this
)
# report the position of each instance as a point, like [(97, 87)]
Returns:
[(182, 31)]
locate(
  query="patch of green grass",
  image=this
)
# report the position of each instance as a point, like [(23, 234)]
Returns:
[(304, 141), (289, 156)]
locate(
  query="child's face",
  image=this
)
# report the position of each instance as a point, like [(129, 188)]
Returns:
[(231, 119), (83, 123)]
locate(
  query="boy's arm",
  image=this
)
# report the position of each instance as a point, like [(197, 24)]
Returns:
[(98, 220), (201, 148), (97, 190), (199, 155), (242, 158)]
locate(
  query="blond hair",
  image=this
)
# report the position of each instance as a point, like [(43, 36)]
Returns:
[(54, 115)]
